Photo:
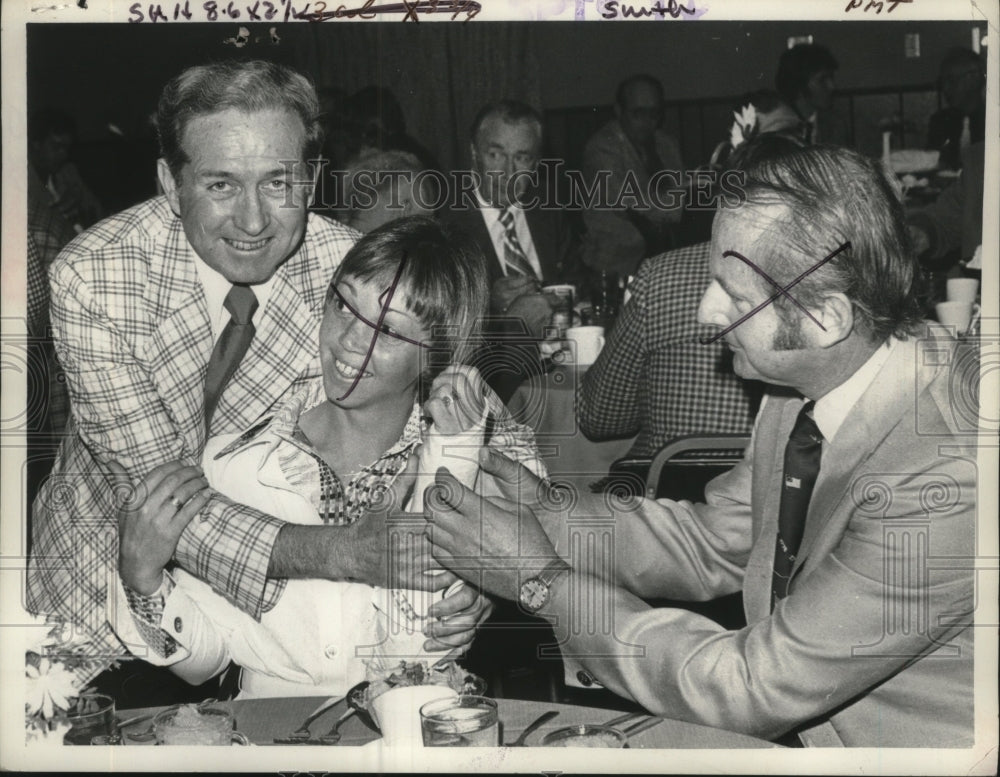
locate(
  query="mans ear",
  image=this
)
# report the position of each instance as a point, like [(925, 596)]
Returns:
[(169, 185), (836, 314)]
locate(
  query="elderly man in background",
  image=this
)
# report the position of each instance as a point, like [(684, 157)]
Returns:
[(525, 245), (630, 151), (190, 315), (855, 634)]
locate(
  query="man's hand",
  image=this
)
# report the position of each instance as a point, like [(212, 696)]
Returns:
[(454, 620), (491, 537), (457, 399), (508, 288), (387, 547), (152, 517), (535, 310)]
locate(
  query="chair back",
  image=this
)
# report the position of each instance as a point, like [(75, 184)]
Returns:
[(684, 465)]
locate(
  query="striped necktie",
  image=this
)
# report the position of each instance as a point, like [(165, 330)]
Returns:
[(515, 260), (802, 456), (231, 347)]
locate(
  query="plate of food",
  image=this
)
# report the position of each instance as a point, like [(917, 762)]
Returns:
[(400, 686)]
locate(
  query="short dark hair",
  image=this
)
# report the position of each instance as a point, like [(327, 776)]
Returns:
[(958, 57), (833, 195), (443, 283), (50, 121), (634, 80), (797, 65), (249, 86), (510, 111)]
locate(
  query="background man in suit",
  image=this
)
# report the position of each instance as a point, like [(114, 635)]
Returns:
[(525, 246), (855, 636), (632, 149), (190, 315)]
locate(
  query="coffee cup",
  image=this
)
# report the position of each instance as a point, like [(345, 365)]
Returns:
[(962, 289), (956, 314), (586, 343)]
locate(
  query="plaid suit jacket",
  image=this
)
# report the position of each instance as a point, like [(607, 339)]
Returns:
[(133, 334), (655, 376)]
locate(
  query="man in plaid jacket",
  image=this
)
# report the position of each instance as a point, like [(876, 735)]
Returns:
[(655, 377), (137, 309)]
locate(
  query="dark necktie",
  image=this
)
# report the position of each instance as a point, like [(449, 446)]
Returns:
[(231, 347), (802, 455), (514, 258)]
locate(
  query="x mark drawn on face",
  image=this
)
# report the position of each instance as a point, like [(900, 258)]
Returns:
[(385, 299), (781, 290)]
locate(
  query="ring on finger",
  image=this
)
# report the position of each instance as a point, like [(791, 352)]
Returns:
[(177, 503)]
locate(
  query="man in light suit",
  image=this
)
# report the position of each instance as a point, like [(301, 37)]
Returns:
[(849, 526), (526, 245), (191, 315)]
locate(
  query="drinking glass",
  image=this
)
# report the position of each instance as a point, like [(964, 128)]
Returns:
[(585, 735), (464, 721), (186, 725), (92, 716)]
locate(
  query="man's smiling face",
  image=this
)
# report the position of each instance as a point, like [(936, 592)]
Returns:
[(241, 211)]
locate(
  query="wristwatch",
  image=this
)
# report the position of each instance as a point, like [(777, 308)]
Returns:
[(534, 591)]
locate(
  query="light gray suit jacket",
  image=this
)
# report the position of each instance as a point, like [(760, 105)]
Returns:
[(873, 646)]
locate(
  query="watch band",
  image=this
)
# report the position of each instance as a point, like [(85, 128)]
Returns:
[(552, 570)]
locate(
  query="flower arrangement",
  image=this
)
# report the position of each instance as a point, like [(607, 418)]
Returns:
[(745, 128), (57, 667)]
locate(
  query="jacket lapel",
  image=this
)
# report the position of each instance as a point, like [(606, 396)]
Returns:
[(545, 240), (773, 431), (181, 343), (876, 413)]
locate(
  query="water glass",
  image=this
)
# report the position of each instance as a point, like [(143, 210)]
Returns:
[(92, 716), (464, 721)]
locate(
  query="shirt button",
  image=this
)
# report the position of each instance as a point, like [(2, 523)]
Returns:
[(178, 624), (585, 678), (330, 651)]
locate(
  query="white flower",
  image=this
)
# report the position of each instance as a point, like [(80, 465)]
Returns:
[(744, 127), (39, 733), (49, 686)]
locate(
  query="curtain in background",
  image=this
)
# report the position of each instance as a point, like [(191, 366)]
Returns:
[(440, 73)]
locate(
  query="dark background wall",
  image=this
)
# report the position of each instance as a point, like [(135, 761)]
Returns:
[(112, 73)]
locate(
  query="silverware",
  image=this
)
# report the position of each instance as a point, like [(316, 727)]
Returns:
[(626, 718), (302, 732), (545, 717), (332, 737), (638, 728)]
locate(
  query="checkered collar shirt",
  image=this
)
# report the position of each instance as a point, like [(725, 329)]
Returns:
[(307, 472)]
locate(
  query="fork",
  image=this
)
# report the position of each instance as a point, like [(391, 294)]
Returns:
[(332, 737), (302, 732)]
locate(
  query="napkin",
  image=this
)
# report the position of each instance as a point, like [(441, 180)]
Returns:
[(406, 609)]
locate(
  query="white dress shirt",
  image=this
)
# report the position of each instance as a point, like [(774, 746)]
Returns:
[(832, 408), (217, 287), (491, 217)]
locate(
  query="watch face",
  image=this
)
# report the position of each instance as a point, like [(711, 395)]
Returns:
[(534, 593)]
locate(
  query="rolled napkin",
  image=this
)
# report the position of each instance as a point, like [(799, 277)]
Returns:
[(406, 609), (458, 452)]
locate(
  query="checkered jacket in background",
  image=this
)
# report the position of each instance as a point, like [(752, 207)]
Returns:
[(654, 377), (133, 335)]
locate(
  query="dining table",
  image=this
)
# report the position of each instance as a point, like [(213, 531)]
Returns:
[(547, 403), (264, 720)]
